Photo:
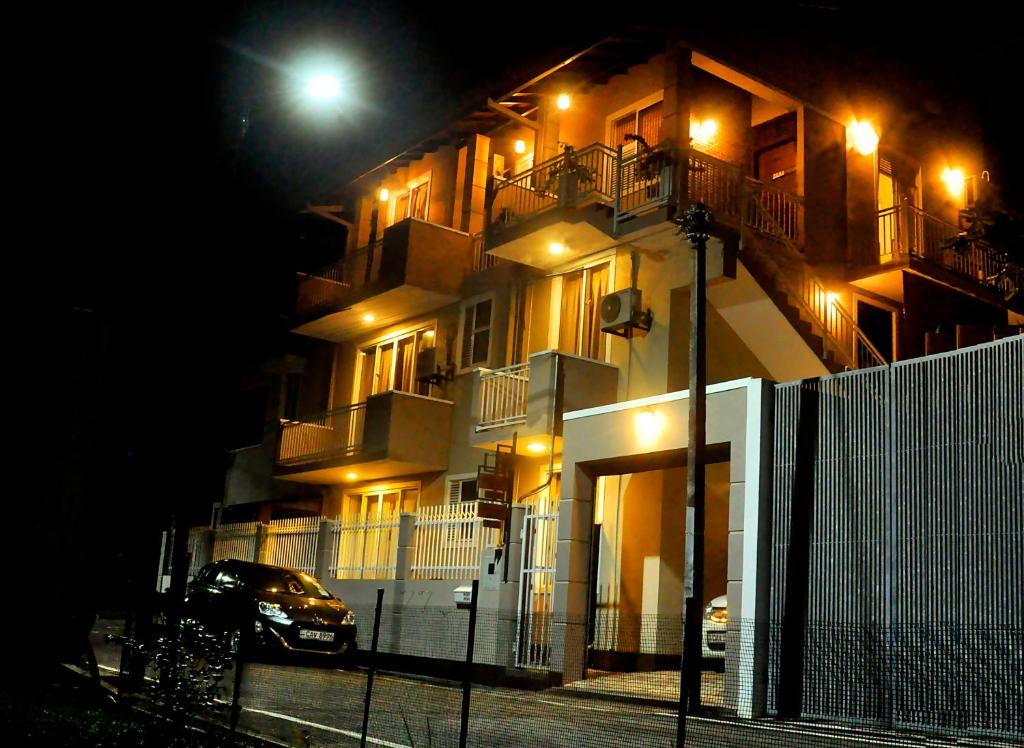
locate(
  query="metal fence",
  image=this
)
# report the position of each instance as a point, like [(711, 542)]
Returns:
[(898, 543), (292, 543), (365, 547), (449, 541), (237, 540)]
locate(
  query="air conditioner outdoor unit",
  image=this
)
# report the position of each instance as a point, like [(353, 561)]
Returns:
[(428, 370), (621, 312)]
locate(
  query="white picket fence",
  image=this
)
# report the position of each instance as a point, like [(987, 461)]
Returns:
[(292, 543), (449, 540), (366, 547), (236, 540)]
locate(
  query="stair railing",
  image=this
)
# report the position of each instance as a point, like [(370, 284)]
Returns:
[(836, 325)]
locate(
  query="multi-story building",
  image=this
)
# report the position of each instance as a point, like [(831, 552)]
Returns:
[(508, 325)]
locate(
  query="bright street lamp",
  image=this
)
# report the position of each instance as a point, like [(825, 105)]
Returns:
[(324, 87)]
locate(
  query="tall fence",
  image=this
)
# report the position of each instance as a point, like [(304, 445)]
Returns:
[(449, 541), (236, 540), (898, 544), (364, 547), (292, 543)]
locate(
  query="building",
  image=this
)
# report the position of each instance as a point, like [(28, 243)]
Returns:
[(506, 336)]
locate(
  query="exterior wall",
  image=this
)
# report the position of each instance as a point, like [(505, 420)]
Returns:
[(821, 159), (610, 440)]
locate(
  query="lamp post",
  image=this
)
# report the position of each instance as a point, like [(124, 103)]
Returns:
[(696, 223)]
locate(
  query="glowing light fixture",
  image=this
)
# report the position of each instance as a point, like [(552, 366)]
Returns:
[(703, 131), (324, 87), (368, 318), (428, 333), (648, 426), (831, 297), (383, 195), (563, 102), (556, 248), (351, 476), (862, 136), (519, 146), (954, 181), (536, 448)]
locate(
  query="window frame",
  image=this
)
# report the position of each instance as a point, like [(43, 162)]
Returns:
[(362, 355), (473, 303), (410, 187)]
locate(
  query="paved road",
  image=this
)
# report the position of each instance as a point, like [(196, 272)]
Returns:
[(287, 701)]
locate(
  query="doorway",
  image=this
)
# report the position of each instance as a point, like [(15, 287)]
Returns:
[(878, 324)]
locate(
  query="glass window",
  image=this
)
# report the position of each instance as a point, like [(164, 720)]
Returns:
[(391, 364), (476, 334), (579, 330)]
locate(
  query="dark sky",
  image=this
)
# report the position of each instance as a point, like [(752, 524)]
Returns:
[(162, 251)]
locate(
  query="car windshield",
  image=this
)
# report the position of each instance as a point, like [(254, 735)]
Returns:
[(282, 582)]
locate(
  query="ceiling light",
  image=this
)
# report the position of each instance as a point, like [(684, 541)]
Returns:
[(351, 476), (563, 101), (383, 195), (368, 318), (556, 248), (536, 447), (519, 146)]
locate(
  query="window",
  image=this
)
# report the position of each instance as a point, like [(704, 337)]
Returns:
[(382, 503), (476, 334), (413, 202), (645, 122), (579, 329), (391, 364), (461, 488)]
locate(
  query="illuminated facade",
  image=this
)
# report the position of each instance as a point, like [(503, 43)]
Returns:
[(507, 305)]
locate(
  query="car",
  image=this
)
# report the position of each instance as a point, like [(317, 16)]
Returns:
[(716, 619), (264, 608)]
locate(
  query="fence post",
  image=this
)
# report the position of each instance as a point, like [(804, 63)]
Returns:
[(372, 667), (467, 678), (261, 547), (326, 552), (514, 546), (406, 552)]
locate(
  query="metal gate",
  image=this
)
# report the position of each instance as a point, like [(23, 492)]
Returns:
[(537, 583)]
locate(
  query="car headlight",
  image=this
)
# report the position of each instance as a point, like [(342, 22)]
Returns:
[(349, 619), (272, 610)]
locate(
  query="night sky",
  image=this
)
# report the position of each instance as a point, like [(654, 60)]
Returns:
[(165, 246)]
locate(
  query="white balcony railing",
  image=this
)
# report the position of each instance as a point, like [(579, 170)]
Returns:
[(336, 432), (503, 394)]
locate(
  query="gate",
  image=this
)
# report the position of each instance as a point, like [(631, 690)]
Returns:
[(537, 582)]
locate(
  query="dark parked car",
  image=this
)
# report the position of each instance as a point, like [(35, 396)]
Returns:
[(265, 607)]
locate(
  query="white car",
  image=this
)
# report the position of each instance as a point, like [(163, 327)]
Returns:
[(716, 618)]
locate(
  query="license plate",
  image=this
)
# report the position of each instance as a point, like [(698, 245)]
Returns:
[(716, 637), (320, 636)]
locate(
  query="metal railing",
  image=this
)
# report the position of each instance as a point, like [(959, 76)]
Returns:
[(333, 286), (237, 540), (503, 394), (365, 547), (482, 260), (774, 211), (333, 433), (571, 178), (643, 181), (906, 230), (292, 543), (717, 184), (449, 541)]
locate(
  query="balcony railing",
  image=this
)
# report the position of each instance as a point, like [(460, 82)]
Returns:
[(330, 287), (482, 260), (906, 230), (503, 395), (335, 433)]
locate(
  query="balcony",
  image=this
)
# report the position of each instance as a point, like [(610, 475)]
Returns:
[(580, 200), (908, 235), (523, 397), (415, 268), (391, 434)]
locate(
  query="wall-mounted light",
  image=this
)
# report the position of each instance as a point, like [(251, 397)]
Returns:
[(368, 317), (648, 426), (383, 195), (428, 333), (703, 131), (862, 136), (563, 101), (954, 181), (519, 146), (556, 248), (831, 297)]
